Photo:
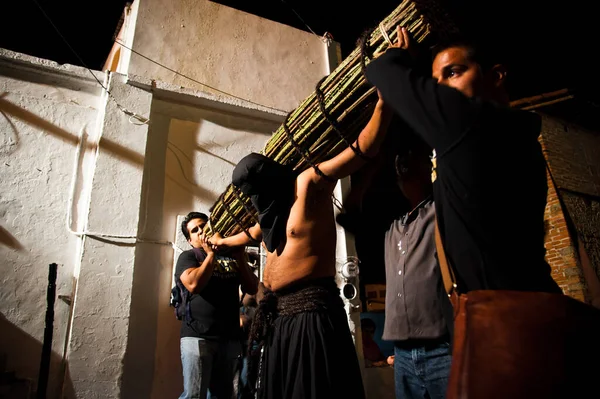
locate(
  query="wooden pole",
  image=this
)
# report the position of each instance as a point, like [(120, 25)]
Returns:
[(541, 100)]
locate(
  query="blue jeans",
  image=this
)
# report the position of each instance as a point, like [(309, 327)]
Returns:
[(208, 367), (422, 372)]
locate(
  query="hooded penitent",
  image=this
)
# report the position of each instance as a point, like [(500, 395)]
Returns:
[(270, 186)]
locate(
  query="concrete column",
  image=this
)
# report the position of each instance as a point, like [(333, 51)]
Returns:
[(347, 276), (101, 315)]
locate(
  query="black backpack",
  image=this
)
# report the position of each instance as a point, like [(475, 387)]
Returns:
[(181, 301), (180, 297)]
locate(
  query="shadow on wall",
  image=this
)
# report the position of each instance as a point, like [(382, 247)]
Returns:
[(222, 116), (21, 354), (182, 178), (152, 355), (119, 151), (32, 119), (223, 120), (213, 136), (9, 240), (139, 361), (189, 157)]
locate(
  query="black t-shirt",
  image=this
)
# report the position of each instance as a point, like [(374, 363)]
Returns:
[(490, 190), (215, 310)]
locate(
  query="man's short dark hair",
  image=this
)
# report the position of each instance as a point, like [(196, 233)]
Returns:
[(191, 216), (485, 54), (409, 143)]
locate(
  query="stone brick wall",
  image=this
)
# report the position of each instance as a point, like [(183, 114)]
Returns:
[(573, 156), (560, 248)]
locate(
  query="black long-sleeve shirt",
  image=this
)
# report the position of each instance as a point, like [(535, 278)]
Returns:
[(490, 191)]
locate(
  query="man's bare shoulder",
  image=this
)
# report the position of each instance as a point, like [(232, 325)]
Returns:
[(308, 175), (312, 192), (310, 179)]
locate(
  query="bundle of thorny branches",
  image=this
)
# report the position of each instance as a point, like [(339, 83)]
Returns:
[(333, 116)]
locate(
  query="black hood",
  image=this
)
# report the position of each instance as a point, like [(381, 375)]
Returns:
[(271, 187)]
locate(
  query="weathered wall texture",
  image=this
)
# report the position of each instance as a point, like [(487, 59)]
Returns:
[(191, 153), (573, 158), (103, 304), (130, 180), (247, 56), (43, 110)]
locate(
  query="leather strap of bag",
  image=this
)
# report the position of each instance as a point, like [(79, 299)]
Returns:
[(447, 273)]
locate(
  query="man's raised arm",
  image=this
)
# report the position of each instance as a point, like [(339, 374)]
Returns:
[(238, 240), (367, 146)]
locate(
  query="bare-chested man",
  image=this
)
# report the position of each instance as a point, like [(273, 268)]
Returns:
[(308, 348)]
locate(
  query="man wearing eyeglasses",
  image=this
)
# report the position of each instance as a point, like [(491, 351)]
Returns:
[(210, 342)]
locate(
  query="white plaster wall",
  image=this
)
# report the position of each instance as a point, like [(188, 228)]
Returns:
[(102, 345), (43, 109), (123, 336), (253, 58), (345, 251), (191, 153)]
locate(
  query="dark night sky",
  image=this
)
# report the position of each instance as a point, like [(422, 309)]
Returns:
[(550, 45), (90, 29)]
